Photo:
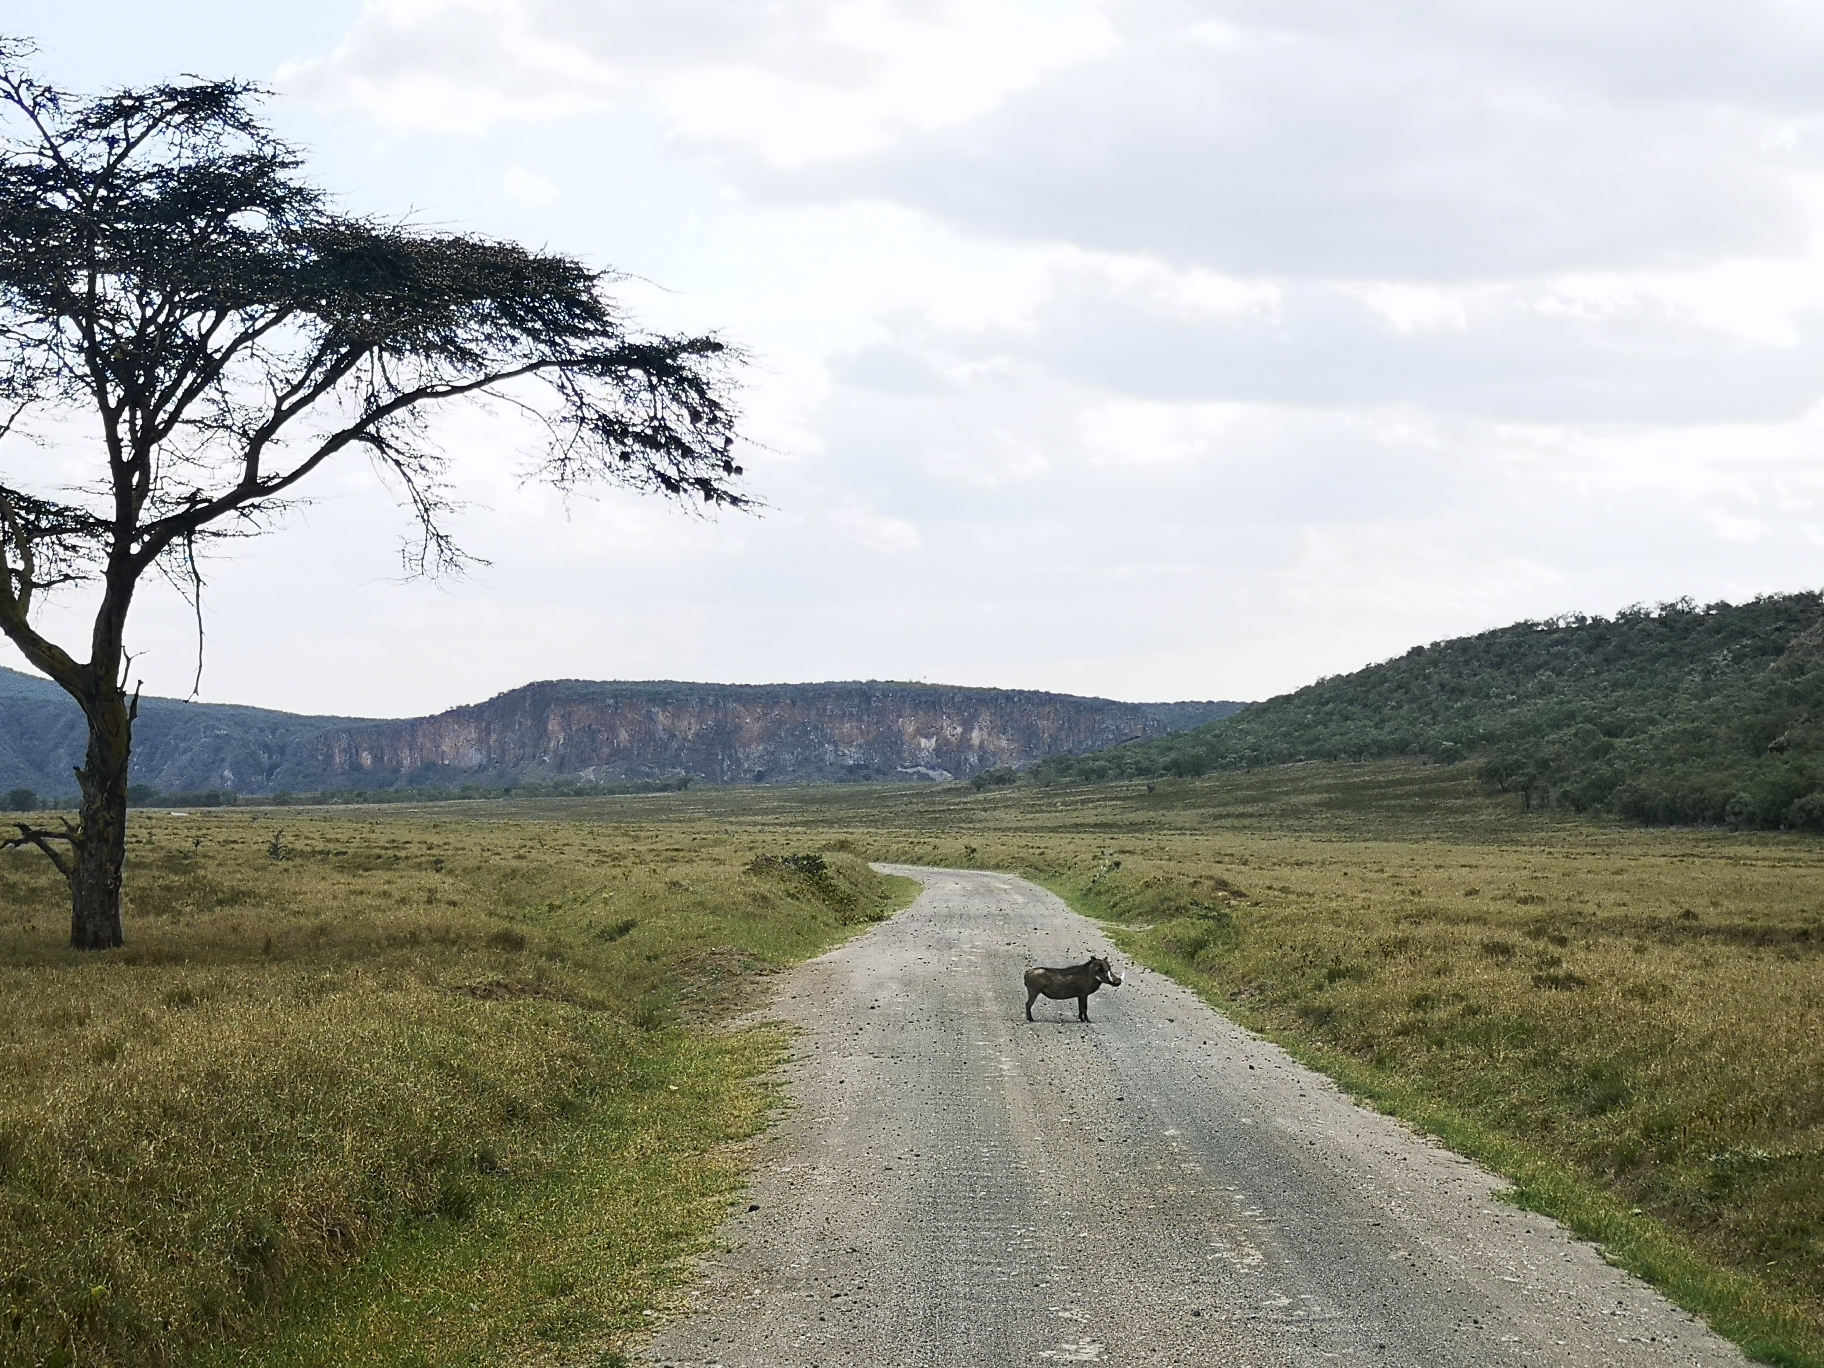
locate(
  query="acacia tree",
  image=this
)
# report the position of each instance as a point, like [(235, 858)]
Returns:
[(215, 331)]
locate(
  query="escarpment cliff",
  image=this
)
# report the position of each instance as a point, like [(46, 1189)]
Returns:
[(743, 733), (594, 732)]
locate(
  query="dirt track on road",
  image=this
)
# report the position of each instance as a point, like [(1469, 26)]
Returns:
[(957, 1186)]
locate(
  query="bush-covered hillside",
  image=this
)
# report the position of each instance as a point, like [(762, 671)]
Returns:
[(1680, 714)]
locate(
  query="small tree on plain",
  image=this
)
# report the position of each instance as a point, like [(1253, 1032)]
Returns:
[(21, 800), (220, 332)]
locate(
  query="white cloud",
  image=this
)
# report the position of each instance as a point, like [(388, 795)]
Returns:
[(1136, 432), (1137, 281), (1765, 301), (453, 64), (895, 67), (529, 186), (1389, 142), (794, 82), (873, 532), (1410, 308)]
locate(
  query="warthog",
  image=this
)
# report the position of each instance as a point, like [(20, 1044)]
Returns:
[(1078, 981)]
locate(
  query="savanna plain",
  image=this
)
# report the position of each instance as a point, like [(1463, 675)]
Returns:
[(458, 1083)]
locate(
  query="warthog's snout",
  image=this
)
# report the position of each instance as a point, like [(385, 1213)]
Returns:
[(1078, 981)]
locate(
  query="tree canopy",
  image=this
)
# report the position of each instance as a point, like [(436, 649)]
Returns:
[(1678, 714), (213, 330)]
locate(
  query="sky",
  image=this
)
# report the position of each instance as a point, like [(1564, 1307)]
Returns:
[(1152, 349)]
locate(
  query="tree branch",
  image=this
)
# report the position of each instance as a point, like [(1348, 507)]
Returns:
[(41, 837), (158, 536), (16, 600)]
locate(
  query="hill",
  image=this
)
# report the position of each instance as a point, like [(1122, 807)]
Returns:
[(593, 733), (176, 745), (1670, 715)]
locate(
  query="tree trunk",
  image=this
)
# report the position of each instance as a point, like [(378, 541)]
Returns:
[(101, 852)]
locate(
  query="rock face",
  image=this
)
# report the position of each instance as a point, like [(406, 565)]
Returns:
[(604, 732), (744, 733)]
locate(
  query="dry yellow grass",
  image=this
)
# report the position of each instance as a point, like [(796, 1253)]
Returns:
[(1647, 1012), (1629, 1022), (1625, 1021), (329, 1030)]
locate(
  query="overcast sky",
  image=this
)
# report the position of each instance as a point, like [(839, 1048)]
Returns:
[(1139, 348)]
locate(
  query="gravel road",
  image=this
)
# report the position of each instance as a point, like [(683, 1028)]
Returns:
[(956, 1186)]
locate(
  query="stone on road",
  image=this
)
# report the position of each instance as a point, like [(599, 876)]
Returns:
[(955, 1186)]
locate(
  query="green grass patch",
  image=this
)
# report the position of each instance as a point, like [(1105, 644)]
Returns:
[(575, 1264)]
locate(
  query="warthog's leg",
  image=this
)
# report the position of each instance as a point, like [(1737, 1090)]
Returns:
[(1032, 996), (1083, 1007)]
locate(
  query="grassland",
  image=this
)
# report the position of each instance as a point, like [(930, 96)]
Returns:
[(412, 1080), (397, 1087), (1628, 1023)]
